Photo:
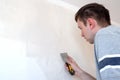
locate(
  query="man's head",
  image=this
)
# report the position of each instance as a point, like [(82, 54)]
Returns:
[(91, 18)]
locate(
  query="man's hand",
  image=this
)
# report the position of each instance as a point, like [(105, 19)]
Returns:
[(74, 65), (78, 71)]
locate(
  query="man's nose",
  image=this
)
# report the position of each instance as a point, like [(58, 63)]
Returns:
[(82, 34)]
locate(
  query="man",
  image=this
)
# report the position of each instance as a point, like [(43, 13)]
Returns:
[(94, 22)]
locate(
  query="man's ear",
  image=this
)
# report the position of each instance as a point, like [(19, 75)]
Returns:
[(91, 23)]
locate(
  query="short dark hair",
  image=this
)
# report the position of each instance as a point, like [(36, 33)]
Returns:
[(96, 11)]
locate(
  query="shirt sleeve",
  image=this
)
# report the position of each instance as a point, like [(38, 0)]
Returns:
[(108, 55)]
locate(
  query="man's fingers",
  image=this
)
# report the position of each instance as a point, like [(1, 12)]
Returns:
[(70, 59)]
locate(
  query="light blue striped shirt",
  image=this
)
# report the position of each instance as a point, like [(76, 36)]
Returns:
[(107, 53)]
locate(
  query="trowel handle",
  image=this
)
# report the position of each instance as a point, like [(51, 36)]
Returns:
[(70, 69)]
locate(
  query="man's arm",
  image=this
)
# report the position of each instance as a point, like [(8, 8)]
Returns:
[(78, 71), (85, 76)]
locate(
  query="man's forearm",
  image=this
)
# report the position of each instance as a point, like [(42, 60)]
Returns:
[(86, 76)]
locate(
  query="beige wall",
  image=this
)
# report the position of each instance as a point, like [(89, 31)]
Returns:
[(38, 32)]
